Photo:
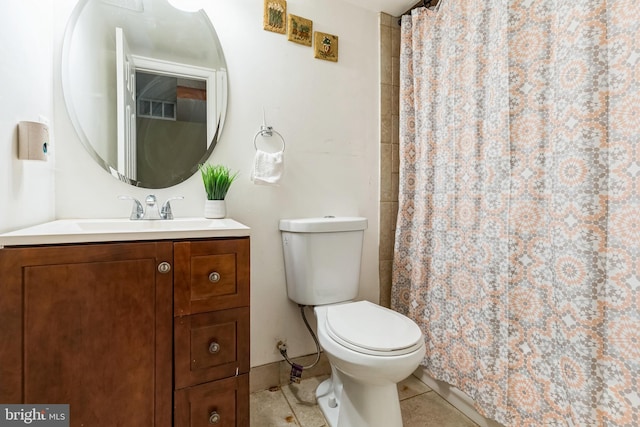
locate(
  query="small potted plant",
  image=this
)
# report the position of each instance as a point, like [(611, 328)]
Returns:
[(216, 179)]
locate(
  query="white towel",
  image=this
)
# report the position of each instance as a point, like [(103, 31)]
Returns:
[(267, 167)]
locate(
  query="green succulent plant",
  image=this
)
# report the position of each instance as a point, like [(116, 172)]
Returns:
[(216, 179)]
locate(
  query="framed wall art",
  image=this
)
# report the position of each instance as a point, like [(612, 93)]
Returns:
[(275, 16), (299, 30), (325, 46)]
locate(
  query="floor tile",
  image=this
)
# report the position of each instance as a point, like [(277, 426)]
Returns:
[(410, 387), (302, 399), (295, 405), (429, 409), (269, 408)]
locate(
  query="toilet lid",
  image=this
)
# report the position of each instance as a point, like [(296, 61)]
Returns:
[(368, 328)]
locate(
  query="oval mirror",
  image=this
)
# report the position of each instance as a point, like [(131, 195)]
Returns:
[(145, 85)]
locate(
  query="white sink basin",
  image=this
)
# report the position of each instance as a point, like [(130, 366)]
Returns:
[(105, 230), (128, 226)]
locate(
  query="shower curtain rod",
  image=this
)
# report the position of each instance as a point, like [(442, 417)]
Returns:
[(423, 3)]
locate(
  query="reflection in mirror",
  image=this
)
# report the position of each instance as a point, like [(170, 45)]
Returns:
[(169, 106), (146, 88)]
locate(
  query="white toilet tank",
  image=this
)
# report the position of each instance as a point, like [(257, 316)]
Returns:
[(322, 258)]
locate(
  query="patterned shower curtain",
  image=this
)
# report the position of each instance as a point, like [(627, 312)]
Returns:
[(518, 235)]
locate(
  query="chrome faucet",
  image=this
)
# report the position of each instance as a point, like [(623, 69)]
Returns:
[(138, 212), (151, 211)]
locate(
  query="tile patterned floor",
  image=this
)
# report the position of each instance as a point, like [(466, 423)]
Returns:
[(294, 405)]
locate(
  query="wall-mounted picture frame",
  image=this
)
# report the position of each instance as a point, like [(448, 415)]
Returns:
[(325, 46), (299, 29), (275, 16)]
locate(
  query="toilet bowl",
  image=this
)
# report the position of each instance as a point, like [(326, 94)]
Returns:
[(370, 349)]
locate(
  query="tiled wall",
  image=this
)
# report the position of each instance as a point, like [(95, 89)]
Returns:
[(389, 160)]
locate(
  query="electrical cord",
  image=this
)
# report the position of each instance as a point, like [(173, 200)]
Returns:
[(283, 349)]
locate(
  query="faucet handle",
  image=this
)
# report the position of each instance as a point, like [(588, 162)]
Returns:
[(137, 211), (165, 211)]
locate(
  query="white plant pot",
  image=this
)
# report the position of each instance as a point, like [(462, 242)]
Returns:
[(215, 209)]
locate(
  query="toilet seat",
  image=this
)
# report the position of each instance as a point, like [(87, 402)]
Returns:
[(371, 329)]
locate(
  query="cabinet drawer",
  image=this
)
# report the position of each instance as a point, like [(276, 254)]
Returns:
[(210, 346), (223, 403), (211, 275)]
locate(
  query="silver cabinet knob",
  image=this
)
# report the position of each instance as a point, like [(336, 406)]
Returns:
[(214, 277), (214, 347), (214, 418), (164, 267)]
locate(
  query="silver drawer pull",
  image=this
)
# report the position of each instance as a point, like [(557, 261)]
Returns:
[(214, 418), (214, 347), (164, 267), (214, 277)]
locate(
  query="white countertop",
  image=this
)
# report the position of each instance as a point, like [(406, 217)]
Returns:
[(118, 230)]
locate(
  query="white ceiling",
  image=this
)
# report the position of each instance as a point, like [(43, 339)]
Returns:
[(392, 7)]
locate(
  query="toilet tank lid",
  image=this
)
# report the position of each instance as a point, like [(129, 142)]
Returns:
[(325, 224)]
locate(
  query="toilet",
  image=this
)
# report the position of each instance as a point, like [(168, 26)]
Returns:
[(370, 348)]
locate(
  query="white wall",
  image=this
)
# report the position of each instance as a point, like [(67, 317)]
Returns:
[(26, 187), (328, 113)]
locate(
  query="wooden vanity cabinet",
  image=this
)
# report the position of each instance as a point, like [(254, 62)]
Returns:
[(93, 325)]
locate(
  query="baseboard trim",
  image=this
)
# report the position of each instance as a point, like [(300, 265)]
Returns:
[(276, 374), (456, 397)]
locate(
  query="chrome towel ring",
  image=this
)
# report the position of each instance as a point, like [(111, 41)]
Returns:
[(267, 131)]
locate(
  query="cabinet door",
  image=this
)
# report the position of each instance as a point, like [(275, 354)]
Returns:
[(95, 327), (211, 275)]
